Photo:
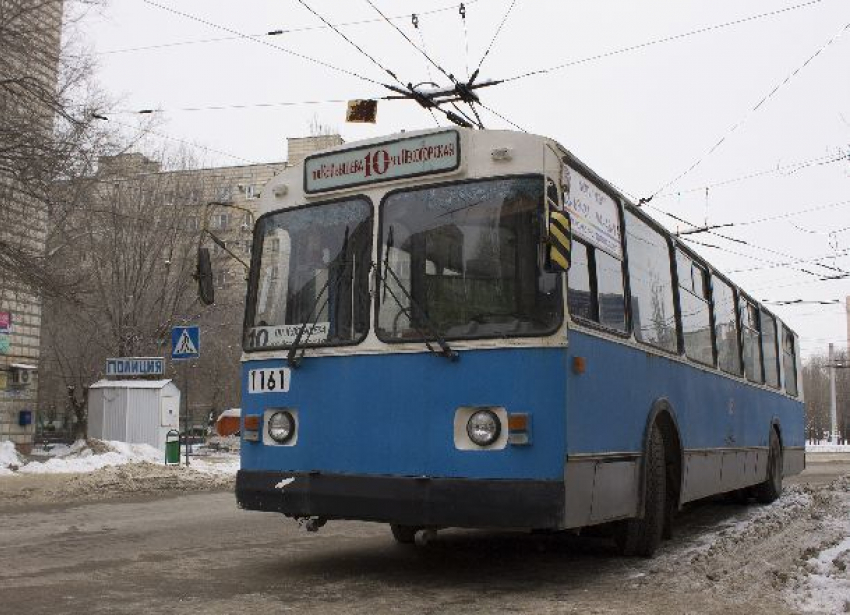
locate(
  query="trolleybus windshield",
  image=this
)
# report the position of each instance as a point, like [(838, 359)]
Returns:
[(469, 256), (312, 276)]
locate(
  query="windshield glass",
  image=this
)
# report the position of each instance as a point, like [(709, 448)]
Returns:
[(467, 260), (313, 268)]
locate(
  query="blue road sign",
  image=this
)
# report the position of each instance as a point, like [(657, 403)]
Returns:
[(185, 343)]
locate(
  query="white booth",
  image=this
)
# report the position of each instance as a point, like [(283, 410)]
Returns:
[(133, 411)]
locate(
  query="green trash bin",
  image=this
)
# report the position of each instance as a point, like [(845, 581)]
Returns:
[(172, 447)]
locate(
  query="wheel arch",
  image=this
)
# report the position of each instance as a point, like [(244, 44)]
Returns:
[(663, 414)]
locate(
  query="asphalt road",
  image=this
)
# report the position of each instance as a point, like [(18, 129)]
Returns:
[(198, 553)]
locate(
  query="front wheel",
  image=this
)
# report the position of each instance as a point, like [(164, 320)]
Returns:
[(642, 536), (403, 534), (770, 490)]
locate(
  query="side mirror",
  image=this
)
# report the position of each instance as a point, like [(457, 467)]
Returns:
[(204, 275), (559, 241)]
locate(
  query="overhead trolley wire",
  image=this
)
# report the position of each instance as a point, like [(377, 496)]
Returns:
[(351, 42), (757, 106), (666, 39), (259, 41), (495, 36), (794, 167), (278, 32), (178, 140)]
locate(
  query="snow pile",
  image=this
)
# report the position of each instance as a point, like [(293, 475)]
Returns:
[(91, 455), (827, 448), (826, 589), (9, 458), (220, 465)]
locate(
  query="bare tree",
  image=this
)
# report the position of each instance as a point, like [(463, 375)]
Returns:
[(130, 249), (49, 126)]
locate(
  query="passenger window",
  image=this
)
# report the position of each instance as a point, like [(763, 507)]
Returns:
[(596, 289), (768, 349), (579, 296), (789, 365), (651, 284), (695, 310), (751, 338), (726, 328)]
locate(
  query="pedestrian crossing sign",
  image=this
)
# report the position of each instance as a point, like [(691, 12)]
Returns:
[(185, 343)]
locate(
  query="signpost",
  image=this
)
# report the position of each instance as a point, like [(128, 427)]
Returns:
[(186, 345), (135, 366)]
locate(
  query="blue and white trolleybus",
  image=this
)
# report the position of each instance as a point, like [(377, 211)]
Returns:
[(415, 353)]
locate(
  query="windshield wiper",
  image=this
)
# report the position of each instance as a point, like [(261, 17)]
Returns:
[(445, 350), (293, 349)]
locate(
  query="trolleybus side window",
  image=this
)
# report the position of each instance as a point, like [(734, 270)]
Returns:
[(695, 307), (751, 338), (472, 262), (768, 348), (596, 287), (651, 284), (726, 327), (789, 358)]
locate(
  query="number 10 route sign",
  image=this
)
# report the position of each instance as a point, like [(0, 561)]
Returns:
[(185, 343)]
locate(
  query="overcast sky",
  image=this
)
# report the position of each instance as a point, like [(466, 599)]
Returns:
[(639, 118)]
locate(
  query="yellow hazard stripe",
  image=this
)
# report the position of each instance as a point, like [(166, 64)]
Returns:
[(561, 219), (560, 237), (556, 256)]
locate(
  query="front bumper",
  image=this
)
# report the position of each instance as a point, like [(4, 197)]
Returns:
[(420, 502)]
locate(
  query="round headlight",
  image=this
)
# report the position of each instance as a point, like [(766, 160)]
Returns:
[(281, 426), (483, 427)]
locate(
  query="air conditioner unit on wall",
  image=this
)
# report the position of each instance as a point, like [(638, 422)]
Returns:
[(21, 374)]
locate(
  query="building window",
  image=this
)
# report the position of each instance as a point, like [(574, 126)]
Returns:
[(192, 223), (220, 221), (250, 192), (221, 278)]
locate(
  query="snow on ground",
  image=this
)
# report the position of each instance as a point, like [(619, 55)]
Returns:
[(827, 448), (91, 455), (823, 585), (9, 458)]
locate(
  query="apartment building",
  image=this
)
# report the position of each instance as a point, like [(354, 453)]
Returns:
[(29, 52)]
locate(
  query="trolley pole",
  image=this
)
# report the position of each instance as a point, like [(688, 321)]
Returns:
[(833, 415)]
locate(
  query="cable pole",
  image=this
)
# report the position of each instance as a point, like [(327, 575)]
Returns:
[(833, 421)]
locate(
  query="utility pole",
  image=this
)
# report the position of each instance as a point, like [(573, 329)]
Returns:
[(833, 422)]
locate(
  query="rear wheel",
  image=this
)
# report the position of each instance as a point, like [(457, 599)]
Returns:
[(770, 490), (642, 536), (403, 534)]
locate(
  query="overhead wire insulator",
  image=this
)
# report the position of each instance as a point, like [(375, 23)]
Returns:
[(414, 19)]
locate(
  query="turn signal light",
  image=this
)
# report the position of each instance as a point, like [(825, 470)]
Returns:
[(252, 422)]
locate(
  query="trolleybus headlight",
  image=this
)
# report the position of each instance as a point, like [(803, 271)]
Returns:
[(483, 427), (281, 426)]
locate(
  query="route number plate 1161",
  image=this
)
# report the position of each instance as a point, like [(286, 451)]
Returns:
[(268, 380)]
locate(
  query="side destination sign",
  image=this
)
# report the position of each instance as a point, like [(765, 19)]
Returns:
[(135, 366), (421, 155)]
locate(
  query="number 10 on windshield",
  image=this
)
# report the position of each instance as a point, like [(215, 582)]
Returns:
[(268, 380)]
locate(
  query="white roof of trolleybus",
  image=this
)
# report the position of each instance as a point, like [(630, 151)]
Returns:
[(526, 155)]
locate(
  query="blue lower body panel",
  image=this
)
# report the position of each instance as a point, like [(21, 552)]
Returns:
[(393, 415)]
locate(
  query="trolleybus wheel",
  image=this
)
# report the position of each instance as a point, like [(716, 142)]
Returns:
[(642, 536), (771, 488), (403, 534)]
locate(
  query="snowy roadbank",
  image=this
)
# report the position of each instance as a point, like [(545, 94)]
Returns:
[(93, 470)]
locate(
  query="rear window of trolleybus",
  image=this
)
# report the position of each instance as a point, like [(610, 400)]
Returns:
[(465, 260), (312, 276)]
